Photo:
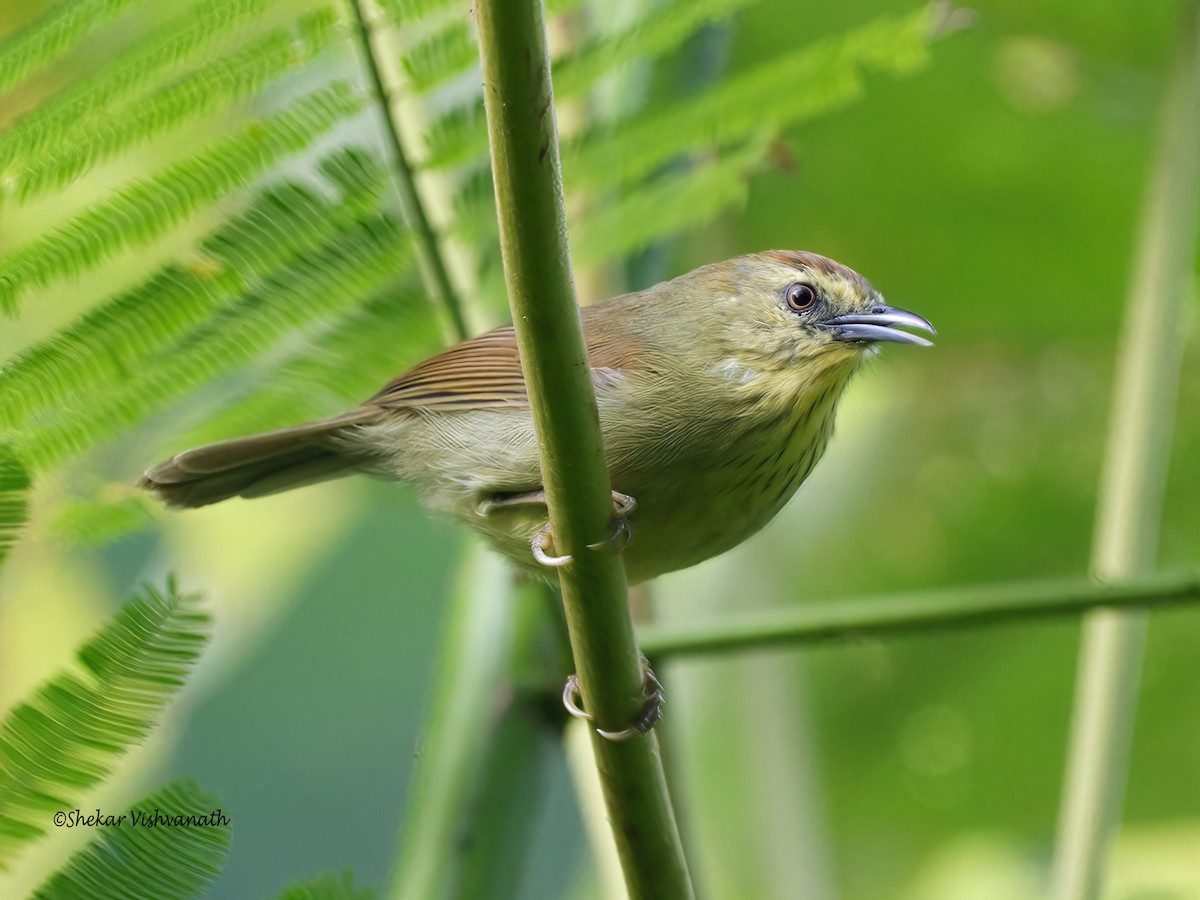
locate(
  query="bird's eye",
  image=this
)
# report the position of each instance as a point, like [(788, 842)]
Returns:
[(801, 297)]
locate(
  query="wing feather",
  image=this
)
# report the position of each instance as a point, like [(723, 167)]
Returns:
[(485, 372)]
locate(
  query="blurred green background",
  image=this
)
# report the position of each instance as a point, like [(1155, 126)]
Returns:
[(995, 192)]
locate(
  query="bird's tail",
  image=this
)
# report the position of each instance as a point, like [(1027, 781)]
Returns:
[(253, 466)]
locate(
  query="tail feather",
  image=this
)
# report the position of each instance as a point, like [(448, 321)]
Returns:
[(252, 466)]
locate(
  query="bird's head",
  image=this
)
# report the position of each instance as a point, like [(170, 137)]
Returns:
[(793, 307)]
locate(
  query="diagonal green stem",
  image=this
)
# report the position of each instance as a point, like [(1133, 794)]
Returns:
[(429, 250), (1133, 482), (914, 613), (519, 101)]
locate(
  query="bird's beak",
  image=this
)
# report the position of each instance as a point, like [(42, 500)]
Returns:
[(878, 324)]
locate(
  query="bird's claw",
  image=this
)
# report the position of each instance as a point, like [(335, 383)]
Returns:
[(650, 713), (623, 506)]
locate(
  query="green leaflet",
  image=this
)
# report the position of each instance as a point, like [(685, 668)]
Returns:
[(327, 887), (164, 861), (163, 49), (54, 35), (672, 204), (820, 77), (14, 499), (353, 266), (142, 211), (237, 77), (440, 57), (67, 736), (77, 365)]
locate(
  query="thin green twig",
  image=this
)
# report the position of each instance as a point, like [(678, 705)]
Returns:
[(519, 102), (429, 251), (1134, 481), (914, 613)]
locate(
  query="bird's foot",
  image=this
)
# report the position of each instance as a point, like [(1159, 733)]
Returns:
[(623, 506), (651, 711)]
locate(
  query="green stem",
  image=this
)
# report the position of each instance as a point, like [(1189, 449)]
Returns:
[(898, 614), (519, 101), (1134, 481), (429, 251)]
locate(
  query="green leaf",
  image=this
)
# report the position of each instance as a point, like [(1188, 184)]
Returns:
[(820, 77), (94, 97), (236, 77), (663, 29), (349, 270), (440, 57), (394, 330), (69, 734), (99, 521), (672, 204), (54, 35), (327, 887), (79, 363), (14, 499), (177, 858), (143, 211)]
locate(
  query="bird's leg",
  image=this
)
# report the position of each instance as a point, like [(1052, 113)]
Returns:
[(623, 507), (650, 713)]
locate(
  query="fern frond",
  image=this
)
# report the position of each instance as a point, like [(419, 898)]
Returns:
[(14, 499), (234, 78), (163, 861), (146, 209), (384, 336), (94, 97), (664, 29), (100, 521), (113, 340), (355, 265), (54, 35), (327, 887), (405, 12), (440, 57), (820, 77), (68, 735), (671, 204), (456, 137)]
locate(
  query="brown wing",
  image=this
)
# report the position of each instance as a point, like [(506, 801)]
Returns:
[(476, 374), (485, 372)]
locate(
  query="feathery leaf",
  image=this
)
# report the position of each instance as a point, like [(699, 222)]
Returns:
[(327, 887), (166, 861), (68, 735), (54, 35), (409, 11), (113, 340), (382, 337), (50, 123), (663, 29), (441, 56), (820, 77), (99, 520), (672, 204), (234, 78), (14, 499), (357, 264), (144, 210)]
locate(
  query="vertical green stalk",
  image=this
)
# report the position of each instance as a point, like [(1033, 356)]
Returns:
[(475, 789), (429, 252), (1133, 482), (519, 101)]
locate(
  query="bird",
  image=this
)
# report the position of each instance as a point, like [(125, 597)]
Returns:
[(716, 391)]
